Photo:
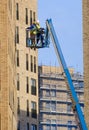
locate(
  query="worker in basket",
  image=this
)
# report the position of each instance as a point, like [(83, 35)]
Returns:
[(36, 32)]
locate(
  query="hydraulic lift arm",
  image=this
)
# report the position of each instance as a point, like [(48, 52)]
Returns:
[(60, 57)]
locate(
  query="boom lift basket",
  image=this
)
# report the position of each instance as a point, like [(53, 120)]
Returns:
[(34, 42)]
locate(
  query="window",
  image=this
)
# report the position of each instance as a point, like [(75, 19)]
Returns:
[(69, 122), (17, 34), (34, 16), (31, 58), (18, 105), (53, 106), (33, 127), (47, 93), (69, 125), (18, 83), (48, 127), (53, 93), (17, 57), (27, 107), (26, 11), (30, 17), (18, 126), (48, 105), (48, 121), (33, 105), (33, 86), (68, 107), (68, 96), (27, 84), (53, 121), (34, 64), (53, 127), (33, 110), (27, 126), (17, 11), (27, 63), (69, 128), (27, 36)]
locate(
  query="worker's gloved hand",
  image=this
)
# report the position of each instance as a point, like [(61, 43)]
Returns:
[(42, 30), (31, 28)]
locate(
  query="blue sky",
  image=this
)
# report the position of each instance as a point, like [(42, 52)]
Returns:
[(67, 20)]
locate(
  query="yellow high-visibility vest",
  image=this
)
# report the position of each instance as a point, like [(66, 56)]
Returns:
[(35, 30), (37, 26)]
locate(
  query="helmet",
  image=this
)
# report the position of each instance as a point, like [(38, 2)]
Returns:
[(38, 21)]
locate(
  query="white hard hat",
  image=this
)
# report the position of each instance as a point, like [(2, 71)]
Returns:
[(38, 21)]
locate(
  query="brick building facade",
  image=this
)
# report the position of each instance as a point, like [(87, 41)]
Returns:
[(55, 104), (86, 58), (8, 109), (18, 67)]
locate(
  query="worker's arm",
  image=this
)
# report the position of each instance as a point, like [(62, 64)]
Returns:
[(32, 27)]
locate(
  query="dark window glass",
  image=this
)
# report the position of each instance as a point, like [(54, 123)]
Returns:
[(27, 63), (17, 34), (33, 127), (18, 82), (27, 107), (17, 57), (27, 126), (18, 105), (26, 15), (33, 110), (27, 36), (18, 126), (30, 17), (17, 11), (34, 16), (34, 64), (33, 86), (27, 84), (31, 63)]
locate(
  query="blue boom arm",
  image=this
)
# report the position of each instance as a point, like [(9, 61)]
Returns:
[(60, 57)]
